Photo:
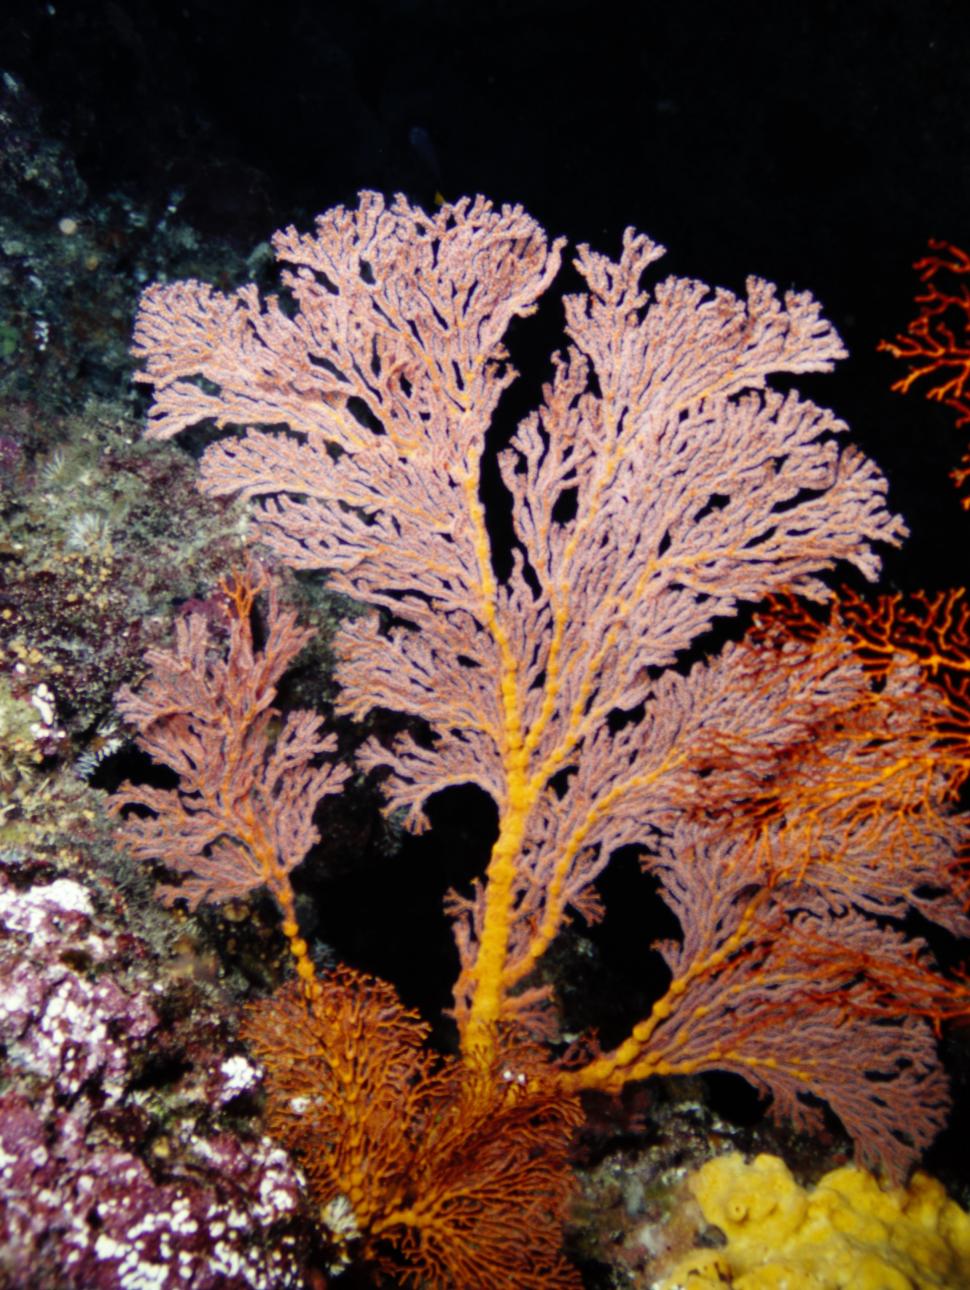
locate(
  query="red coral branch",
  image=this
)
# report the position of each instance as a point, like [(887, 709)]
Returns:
[(936, 343)]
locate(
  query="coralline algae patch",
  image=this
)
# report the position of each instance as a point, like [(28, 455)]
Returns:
[(78, 1215), (80, 1206), (849, 1232)]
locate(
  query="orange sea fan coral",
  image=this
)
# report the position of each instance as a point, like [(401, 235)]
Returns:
[(440, 1174)]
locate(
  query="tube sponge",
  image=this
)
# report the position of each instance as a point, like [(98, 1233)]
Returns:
[(849, 1232)]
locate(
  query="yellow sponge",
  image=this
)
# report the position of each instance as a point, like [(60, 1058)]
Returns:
[(847, 1233)]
